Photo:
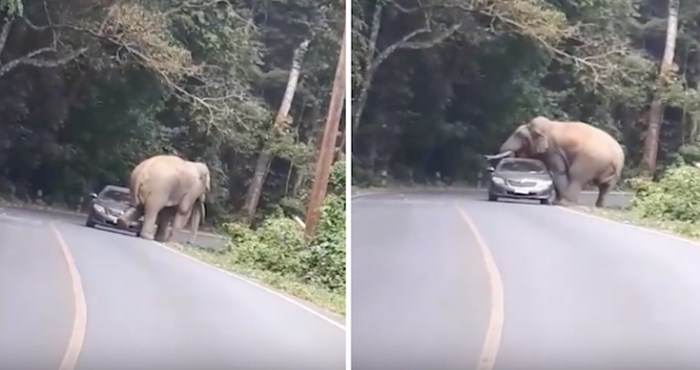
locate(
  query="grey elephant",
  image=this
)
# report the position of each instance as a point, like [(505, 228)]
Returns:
[(167, 190), (575, 153)]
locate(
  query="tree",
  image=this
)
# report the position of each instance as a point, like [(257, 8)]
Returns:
[(374, 58), (280, 124), (651, 139)]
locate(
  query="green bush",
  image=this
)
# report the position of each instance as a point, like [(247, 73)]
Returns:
[(336, 183), (324, 259), (279, 246), (276, 246), (675, 197)]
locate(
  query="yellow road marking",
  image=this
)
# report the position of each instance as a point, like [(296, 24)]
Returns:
[(494, 330), (77, 336)]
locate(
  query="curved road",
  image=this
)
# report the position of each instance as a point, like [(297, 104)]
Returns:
[(451, 281), (99, 300)]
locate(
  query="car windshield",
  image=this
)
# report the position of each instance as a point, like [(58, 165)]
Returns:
[(115, 195), (522, 166)]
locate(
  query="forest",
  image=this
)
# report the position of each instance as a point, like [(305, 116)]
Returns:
[(439, 83), (88, 89)]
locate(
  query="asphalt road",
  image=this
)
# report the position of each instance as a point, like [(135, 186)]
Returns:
[(451, 281), (140, 305)]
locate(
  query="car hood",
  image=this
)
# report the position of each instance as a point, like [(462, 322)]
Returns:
[(117, 206), (512, 175)]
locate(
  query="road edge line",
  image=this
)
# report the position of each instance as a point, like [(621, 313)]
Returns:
[(257, 285), (364, 195), (633, 226), (494, 330), (78, 330)]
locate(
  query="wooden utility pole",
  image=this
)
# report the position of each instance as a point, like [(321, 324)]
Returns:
[(325, 155)]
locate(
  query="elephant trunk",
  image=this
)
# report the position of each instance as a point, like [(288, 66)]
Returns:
[(503, 154), (198, 215), (129, 216)]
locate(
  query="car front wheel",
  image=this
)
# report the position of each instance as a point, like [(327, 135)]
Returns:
[(492, 198)]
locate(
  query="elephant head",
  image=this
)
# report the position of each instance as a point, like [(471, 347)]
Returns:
[(533, 140)]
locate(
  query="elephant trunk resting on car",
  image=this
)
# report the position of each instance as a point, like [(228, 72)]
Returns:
[(167, 190), (575, 153)]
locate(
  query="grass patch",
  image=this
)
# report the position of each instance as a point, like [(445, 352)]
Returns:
[(332, 301), (630, 216)]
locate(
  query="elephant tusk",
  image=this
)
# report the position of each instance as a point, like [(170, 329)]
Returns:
[(507, 153)]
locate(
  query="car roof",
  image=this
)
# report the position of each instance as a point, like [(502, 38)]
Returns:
[(115, 187), (522, 160)]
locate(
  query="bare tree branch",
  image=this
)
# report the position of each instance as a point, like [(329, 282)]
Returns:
[(193, 5), (29, 60), (5, 33)]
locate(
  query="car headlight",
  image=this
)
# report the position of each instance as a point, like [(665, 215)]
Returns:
[(99, 208), (498, 180)]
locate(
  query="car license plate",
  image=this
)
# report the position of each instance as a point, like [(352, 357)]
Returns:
[(112, 219), (521, 191)]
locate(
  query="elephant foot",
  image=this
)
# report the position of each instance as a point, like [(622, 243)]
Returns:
[(147, 236), (163, 234), (563, 203)]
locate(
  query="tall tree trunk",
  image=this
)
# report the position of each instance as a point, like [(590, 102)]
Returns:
[(368, 73), (656, 110), (263, 164)]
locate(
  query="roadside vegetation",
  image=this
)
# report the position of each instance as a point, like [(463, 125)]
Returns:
[(277, 253), (671, 204), (89, 89)]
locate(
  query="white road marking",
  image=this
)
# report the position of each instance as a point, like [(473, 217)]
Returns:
[(645, 229), (77, 336), (494, 331), (257, 285)]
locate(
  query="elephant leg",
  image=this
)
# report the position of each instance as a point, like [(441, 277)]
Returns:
[(573, 192), (150, 218), (165, 218), (603, 190), (561, 184), (180, 220)]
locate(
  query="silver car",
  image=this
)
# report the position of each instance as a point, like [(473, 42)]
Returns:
[(521, 178)]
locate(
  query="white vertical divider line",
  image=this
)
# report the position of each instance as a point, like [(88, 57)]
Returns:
[(348, 187)]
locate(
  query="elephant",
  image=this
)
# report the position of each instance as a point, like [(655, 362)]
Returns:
[(165, 190), (576, 154)]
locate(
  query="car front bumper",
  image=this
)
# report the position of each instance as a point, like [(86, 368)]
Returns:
[(103, 219), (503, 191)]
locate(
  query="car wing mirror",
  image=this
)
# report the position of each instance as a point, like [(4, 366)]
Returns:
[(93, 196), (490, 169)]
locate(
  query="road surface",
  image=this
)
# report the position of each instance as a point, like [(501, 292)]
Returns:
[(452, 281), (139, 305)]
